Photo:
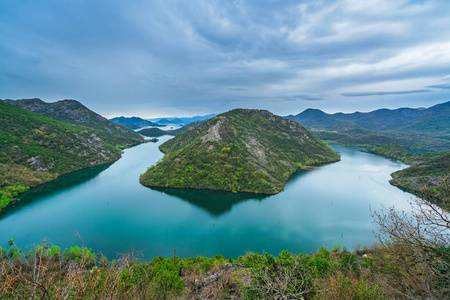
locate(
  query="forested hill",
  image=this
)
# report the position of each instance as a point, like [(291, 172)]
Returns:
[(241, 150), (36, 149), (74, 113), (416, 129)]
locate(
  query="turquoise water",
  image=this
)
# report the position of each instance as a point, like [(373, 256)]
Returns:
[(113, 213)]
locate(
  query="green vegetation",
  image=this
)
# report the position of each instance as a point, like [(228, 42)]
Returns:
[(10, 193), (46, 272), (239, 151), (36, 149), (428, 174)]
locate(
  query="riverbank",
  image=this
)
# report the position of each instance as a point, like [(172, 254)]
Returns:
[(427, 175)]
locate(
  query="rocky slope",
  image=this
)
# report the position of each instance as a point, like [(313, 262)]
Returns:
[(241, 151)]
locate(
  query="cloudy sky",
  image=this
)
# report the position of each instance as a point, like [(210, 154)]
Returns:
[(193, 57)]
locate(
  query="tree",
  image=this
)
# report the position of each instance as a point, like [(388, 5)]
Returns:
[(417, 245)]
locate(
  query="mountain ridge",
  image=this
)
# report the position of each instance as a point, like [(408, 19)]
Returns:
[(415, 129)]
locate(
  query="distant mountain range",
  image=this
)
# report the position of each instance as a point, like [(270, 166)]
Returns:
[(156, 132), (437, 117), (136, 122), (423, 129), (182, 121), (133, 122)]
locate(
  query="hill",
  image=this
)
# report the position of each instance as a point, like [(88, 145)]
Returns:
[(415, 129), (241, 151), (74, 113), (133, 122), (36, 149)]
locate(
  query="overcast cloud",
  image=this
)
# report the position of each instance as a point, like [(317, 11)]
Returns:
[(182, 58)]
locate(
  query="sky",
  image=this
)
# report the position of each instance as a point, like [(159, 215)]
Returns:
[(194, 57)]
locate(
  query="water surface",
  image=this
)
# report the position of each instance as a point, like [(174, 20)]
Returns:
[(113, 213)]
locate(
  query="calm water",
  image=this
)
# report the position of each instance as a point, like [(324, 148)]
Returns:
[(113, 213)]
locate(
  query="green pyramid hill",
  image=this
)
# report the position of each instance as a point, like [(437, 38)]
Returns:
[(242, 150)]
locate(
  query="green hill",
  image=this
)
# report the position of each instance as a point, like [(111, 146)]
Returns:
[(74, 113), (36, 149), (241, 151)]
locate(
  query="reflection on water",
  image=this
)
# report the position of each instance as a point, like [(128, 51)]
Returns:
[(64, 182), (114, 213), (216, 203)]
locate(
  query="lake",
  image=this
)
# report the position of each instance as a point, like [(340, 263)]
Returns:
[(113, 213)]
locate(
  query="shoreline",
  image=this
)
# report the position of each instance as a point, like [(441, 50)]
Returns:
[(29, 188)]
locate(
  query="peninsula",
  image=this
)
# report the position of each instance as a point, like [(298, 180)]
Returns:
[(242, 150)]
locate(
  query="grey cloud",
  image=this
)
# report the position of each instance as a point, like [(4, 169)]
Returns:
[(157, 55), (307, 97), (364, 94), (444, 86)]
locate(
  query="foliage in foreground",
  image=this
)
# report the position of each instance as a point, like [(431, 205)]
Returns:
[(410, 261), (385, 271)]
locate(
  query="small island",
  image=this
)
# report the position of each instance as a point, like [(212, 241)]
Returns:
[(243, 150)]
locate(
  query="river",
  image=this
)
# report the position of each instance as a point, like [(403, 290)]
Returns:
[(114, 214)]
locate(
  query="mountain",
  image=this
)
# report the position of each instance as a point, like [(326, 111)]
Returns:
[(36, 149), (156, 132), (172, 121), (241, 150), (382, 119), (74, 113), (133, 122), (415, 129)]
